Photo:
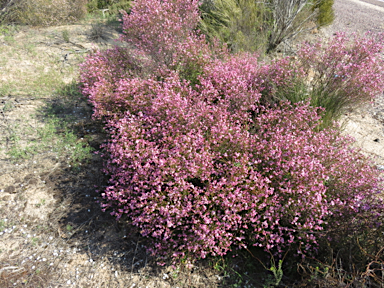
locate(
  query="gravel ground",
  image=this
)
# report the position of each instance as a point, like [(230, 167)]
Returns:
[(357, 16)]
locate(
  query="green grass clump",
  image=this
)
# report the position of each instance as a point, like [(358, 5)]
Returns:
[(54, 130), (54, 136)]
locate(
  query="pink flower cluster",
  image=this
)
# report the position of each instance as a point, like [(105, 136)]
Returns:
[(198, 163), (348, 69), (165, 31), (198, 179)]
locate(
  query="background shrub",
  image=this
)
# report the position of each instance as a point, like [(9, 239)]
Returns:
[(42, 12), (347, 72), (242, 24), (113, 6), (325, 15), (342, 74), (261, 25)]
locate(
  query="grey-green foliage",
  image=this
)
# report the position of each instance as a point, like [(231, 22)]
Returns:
[(289, 18), (242, 24)]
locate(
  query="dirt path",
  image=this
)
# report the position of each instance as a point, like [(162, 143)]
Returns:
[(356, 16)]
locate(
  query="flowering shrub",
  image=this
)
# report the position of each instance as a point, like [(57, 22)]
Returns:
[(197, 160), (165, 32), (338, 75), (229, 82), (191, 177), (101, 74), (281, 80), (346, 72)]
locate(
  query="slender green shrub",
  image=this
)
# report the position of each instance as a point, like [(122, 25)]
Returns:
[(242, 24), (325, 15)]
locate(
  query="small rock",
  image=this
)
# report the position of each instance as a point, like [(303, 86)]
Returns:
[(10, 189)]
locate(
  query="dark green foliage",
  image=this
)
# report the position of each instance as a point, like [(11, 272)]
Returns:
[(326, 15)]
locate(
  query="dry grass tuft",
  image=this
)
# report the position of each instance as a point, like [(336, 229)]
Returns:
[(42, 12)]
